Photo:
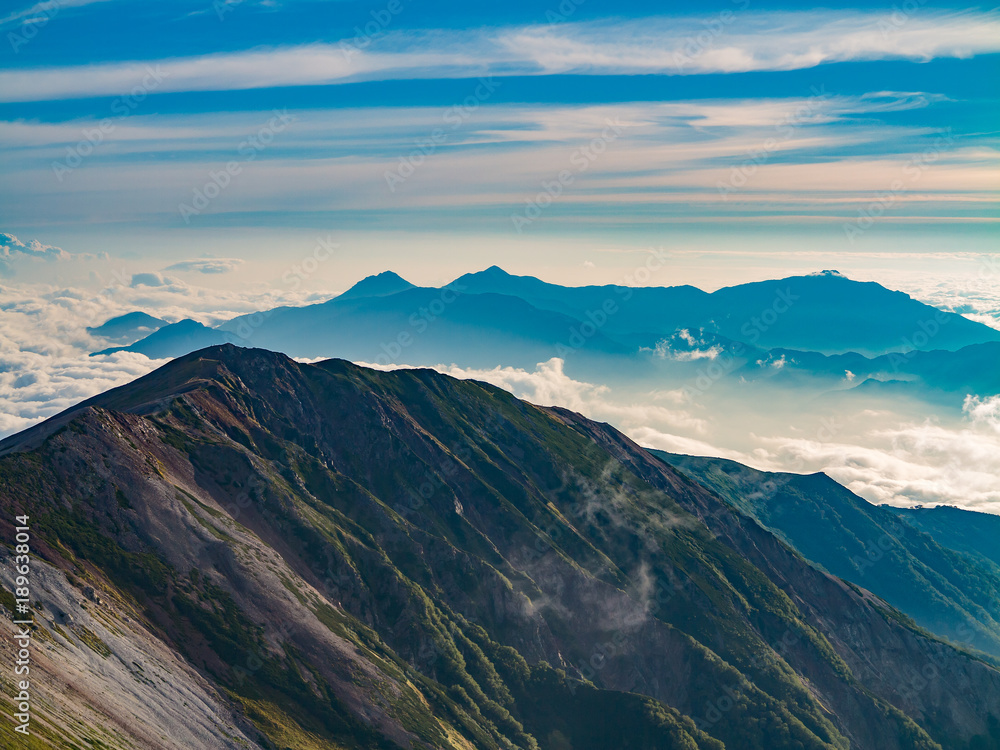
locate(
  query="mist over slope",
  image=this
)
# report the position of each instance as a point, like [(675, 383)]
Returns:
[(338, 557), (939, 578)]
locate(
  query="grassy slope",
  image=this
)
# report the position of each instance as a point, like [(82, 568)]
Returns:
[(948, 592)]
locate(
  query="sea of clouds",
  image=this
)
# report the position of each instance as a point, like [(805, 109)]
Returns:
[(887, 455)]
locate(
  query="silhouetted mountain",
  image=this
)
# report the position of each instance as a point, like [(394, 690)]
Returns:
[(175, 339), (272, 554), (832, 314), (493, 318), (128, 328), (635, 315), (424, 326), (972, 369), (380, 285)]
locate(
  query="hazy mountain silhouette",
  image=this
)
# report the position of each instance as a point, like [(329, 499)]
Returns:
[(127, 329)]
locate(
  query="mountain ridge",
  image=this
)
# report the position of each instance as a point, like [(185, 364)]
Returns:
[(784, 313), (869, 545), (480, 557)]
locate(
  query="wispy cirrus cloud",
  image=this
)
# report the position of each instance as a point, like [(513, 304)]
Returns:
[(207, 265), (670, 154), (45, 8), (746, 41), (762, 41)]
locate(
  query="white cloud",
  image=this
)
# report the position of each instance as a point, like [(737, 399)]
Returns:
[(970, 286), (882, 455), (904, 465), (44, 9), (683, 346), (889, 455), (983, 412), (11, 247), (670, 160), (752, 41), (549, 385), (45, 365), (149, 279)]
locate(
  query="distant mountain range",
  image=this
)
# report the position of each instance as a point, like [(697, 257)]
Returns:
[(249, 552), (823, 330)]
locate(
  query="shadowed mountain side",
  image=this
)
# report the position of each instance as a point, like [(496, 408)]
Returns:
[(639, 316), (824, 312), (937, 584), (361, 559), (429, 326), (631, 336), (972, 369), (831, 314), (967, 531)]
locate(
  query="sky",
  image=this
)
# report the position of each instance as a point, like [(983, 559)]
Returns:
[(207, 158), (440, 137)]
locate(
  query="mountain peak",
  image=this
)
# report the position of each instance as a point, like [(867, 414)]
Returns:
[(379, 285), (494, 271), (127, 328)]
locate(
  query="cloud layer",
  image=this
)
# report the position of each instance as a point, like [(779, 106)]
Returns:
[(45, 365), (732, 41)]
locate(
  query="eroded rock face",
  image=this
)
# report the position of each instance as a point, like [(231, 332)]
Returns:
[(322, 555), (100, 676)]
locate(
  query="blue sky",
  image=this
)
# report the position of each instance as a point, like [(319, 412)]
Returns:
[(438, 137)]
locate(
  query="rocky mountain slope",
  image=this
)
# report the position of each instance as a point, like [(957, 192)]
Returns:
[(238, 550)]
